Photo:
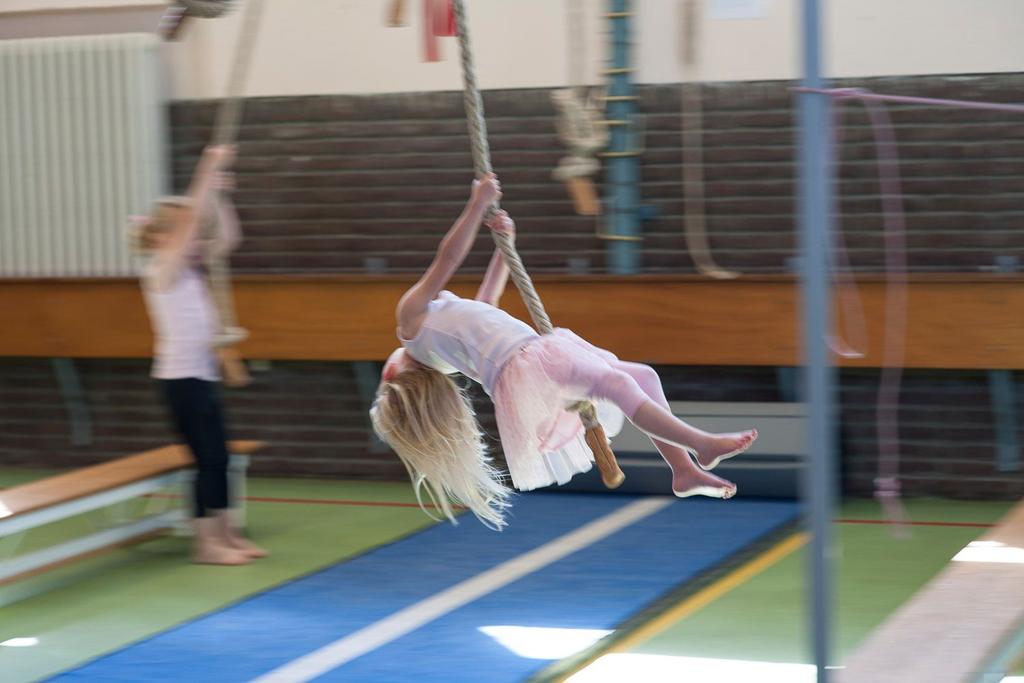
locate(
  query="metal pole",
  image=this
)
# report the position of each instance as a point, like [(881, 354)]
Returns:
[(815, 207)]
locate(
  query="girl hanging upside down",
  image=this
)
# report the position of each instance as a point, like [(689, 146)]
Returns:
[(533, 380)]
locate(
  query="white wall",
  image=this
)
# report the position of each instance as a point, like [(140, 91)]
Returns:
[(862, 38), (343, 46), (926, 36), (335, 46)]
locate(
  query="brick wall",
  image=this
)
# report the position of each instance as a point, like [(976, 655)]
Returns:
[(316, 425), (326, 182), (310, 412)]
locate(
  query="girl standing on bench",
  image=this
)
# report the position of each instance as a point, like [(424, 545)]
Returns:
[(429, 422), (184, 321)]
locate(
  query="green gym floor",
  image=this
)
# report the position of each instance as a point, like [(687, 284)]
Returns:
[(757, 613), (753, 611)]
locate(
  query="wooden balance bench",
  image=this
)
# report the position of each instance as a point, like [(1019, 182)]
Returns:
[(965, 626), (32, 505)]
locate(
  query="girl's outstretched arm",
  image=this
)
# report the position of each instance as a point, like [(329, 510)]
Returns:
[(168, 260), (496, 278), (204, 181), (229, 234), (450, 254)]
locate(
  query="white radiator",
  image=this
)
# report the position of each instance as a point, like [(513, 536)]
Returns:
[(82, 146)]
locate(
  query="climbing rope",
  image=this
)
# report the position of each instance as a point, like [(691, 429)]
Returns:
[(596, 439), (580, 122), (582, 130), (225, 132), (482, 166), (692, 127), (229, 114)]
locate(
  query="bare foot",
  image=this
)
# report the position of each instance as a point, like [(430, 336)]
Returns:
[(227, 529), (696, 482), (251, 550), (210, 553), (719, 447)]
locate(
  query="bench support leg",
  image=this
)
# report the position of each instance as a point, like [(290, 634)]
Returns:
[(184, 527), (237, 469), (54, 555)]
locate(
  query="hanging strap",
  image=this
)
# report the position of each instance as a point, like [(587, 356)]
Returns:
[(887, 483), (596, 439)]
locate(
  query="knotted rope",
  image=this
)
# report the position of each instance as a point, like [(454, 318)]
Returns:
[(225, 132), (596, 439)]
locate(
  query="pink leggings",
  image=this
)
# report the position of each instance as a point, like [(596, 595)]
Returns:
[(588, 371), (628, 386), (595, 373)]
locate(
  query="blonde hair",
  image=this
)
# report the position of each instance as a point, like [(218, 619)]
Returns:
[(429, 422), (144, 229)]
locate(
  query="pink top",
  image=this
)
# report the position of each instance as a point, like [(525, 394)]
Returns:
[(467, 336), (184, 324)]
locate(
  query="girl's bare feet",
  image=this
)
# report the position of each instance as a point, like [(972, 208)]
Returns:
[(696, 482), (718, 447), (251, 550), (209, 553), (234, 537), (210, 547)]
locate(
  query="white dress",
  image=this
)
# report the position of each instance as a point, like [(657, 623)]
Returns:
[(532, 379)]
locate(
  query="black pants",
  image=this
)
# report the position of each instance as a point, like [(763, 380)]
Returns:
[(199, 419)]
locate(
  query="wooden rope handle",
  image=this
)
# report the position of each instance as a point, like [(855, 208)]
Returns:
[(236, 375), (611, 473)]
